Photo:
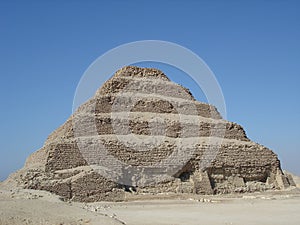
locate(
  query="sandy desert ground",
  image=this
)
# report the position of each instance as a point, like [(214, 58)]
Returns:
[(22, 207)]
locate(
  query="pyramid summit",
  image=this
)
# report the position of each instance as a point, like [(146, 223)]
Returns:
[(143, 133)]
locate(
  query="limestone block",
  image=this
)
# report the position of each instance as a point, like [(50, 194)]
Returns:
[(202, 183), (290, 180), (281, 180)]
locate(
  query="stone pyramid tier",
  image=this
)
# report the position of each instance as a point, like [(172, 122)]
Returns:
[(143, 133)]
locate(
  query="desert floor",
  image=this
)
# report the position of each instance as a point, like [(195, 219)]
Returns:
[(20, 207)]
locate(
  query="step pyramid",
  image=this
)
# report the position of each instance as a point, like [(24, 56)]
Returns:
[(143, 133)]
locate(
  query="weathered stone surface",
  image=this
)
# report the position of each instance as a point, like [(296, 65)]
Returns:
[(146, 104), (282, 181), (201, 183), (290, 180)]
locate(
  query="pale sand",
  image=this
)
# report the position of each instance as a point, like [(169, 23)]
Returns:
[(41, 208), (38, 207)]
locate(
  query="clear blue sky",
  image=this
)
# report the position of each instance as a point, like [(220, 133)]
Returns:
[(253, 47)]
